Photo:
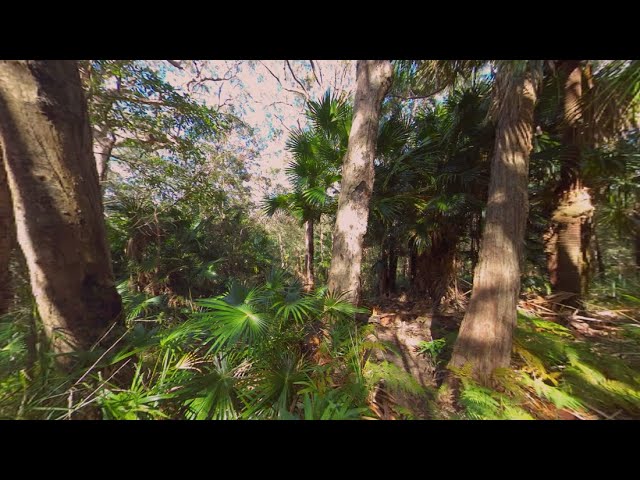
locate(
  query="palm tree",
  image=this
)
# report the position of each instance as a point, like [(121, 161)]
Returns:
[(594, 109), (315, 169), (486, 332)]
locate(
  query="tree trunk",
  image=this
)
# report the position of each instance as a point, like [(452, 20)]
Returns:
[(373, 78), (435, 267), (46, 138), (393, 266), (486, 333), (103, 141), (412, 260), (382, 268), (572, 217), (308, 258), (598, 254), (7, 239)]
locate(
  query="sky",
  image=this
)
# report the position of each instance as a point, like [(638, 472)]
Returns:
[(269, 97)]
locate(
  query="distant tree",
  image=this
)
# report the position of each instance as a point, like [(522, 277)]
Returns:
[(315, 169)]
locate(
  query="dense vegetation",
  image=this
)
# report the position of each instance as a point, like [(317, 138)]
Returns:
[(450, 240)]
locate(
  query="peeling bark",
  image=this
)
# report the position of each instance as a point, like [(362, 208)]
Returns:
[(486, 332), (373, 79), (47, 146)]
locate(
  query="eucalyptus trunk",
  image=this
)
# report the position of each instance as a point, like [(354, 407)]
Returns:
[(486, 332), (373, 80), (57, 205)]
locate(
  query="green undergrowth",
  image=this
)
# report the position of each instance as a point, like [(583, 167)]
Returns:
[(554, 372), (269, 351)]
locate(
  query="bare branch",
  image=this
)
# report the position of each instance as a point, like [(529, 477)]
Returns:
[(313, 69), (296, 79), (176, 64), (297, 92)]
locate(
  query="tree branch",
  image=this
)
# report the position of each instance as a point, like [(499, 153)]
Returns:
[(313, 69), (297, 92), (296, 79), (176, 64)]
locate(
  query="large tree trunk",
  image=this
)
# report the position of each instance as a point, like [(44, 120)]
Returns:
[(7, 238), (486, 333), (373, 79), (572, 218), (46, 138), (309, 254)]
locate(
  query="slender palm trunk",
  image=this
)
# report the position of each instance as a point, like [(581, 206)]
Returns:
[(486, 333), (309, 254), (393, 265), (57, 205), (373, 79), (572, 217), (7, 238)]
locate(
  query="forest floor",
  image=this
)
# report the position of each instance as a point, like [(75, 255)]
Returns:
[(421, 345)]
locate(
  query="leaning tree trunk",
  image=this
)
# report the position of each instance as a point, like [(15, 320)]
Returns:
[(7, 234), (486, 333), (46, 139), (572, 218), (373, 79), (309, 254)]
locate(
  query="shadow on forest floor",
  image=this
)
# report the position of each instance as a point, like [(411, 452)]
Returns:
[(566, 364)]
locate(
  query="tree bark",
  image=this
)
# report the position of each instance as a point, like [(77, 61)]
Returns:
[(47, 146), (393, 266), (572, 216), (7, 239), (309, 254), (104, 141), (373, 80), (435, 268), (486, 333)]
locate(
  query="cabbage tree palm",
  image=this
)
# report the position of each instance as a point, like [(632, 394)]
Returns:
[(314, 171)]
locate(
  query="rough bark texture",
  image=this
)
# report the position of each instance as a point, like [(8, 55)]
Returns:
[(309, 254), (569, 248), (373, 79), (486, 332), (392, 271), (435, 267), (7, 238), (47, 146)]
